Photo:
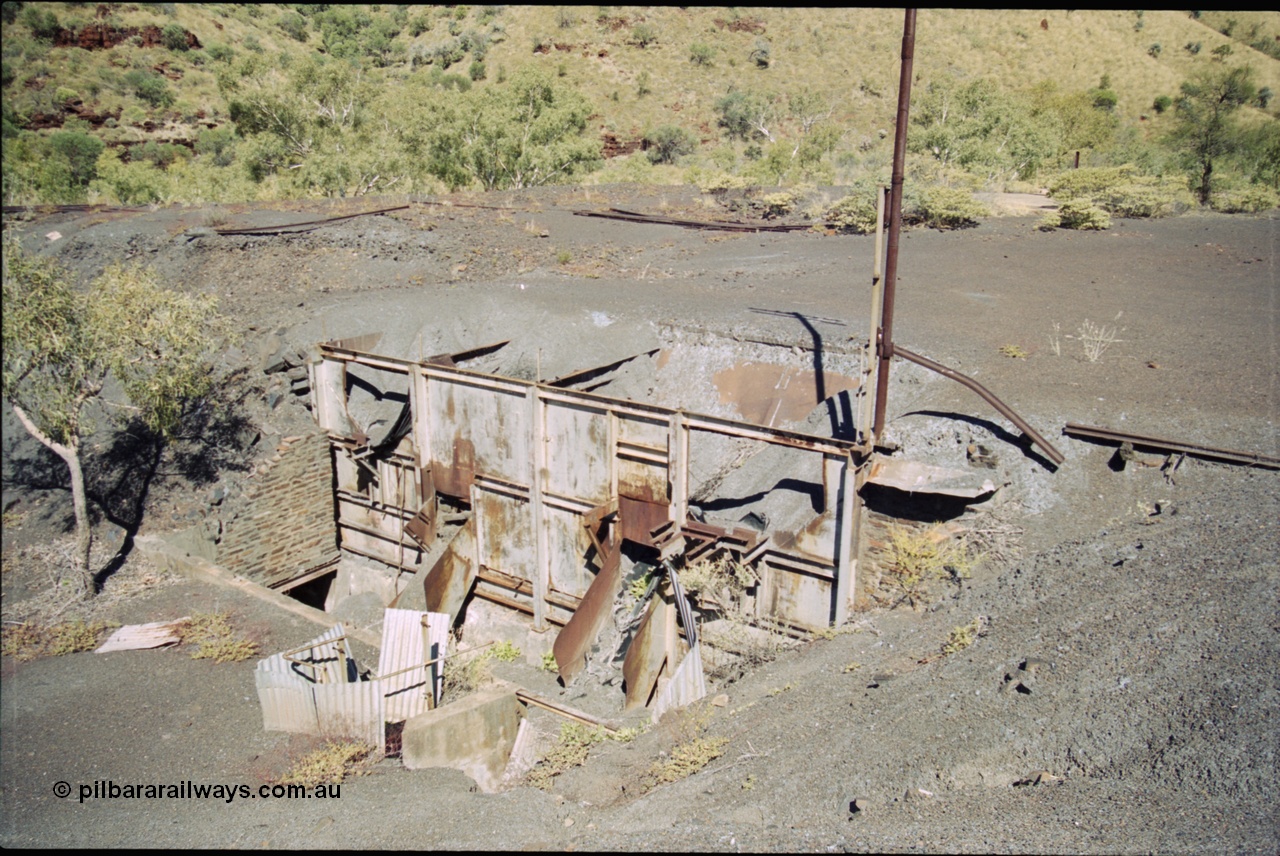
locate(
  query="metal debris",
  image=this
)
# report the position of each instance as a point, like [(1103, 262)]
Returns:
[(1136, 441), (135, 637)]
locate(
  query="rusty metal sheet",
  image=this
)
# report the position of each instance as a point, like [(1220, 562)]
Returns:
[(916, 477), (422, 528), (449, 581), (771, 395), (638, 519), (577, 637), (646, 654), (577, 451)]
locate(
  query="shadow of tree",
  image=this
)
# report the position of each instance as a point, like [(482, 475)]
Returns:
[(121, 472)]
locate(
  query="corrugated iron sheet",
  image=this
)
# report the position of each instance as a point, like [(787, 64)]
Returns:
[(286, 687), (687, 684), (352, 710), (406, 644)]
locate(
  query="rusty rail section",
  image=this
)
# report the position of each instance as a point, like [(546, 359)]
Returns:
[(313, 224), (715, 225), (1048, 448), (1232, 456)]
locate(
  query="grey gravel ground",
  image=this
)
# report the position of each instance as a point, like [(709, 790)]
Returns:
[(1127, 672)]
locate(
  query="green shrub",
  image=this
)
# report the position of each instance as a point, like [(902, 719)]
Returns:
[(476, 71), (701, 54), (1162, 103), (855, 213), (174, 37), (220, 53), (1248, 200), (42, 23), (150, 87), (81, 151), (643, 35), (949, 208), (1122, 191), (669, 143), (1147, 197), (294, 26), (777, 204), (1082, 214)]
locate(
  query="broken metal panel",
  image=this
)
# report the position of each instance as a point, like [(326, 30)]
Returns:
[(795, 591), (354, 710), (577, 637), (285, 681), (688, 684), (648, 653), (135, 637), (449, 581), (916, 477)]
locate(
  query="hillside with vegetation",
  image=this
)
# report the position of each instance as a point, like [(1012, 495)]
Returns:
[(196, 103)]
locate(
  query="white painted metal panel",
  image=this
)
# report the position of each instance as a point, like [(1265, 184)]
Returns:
[(567, 546), (494, 421), (577, 455), (506, 536)]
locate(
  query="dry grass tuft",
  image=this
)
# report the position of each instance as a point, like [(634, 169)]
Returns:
[(215, 639), (330, 764)]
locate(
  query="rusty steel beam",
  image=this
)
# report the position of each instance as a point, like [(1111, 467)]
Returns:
[(989, 397), (273, 230), (1231, 456), (885, 346), (715, 225)]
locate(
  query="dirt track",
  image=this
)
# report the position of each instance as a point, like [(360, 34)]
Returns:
[(1131, 655)]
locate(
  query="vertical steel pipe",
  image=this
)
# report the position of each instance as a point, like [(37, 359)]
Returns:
[(885, 338)]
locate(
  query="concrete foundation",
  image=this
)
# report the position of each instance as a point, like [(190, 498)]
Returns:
[(474, 735)]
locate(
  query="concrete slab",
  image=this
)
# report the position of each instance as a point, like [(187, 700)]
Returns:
[(474, 735)]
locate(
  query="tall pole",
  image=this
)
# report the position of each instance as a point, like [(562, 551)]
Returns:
[(885, 338)]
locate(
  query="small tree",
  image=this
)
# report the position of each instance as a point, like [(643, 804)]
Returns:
[(61, 345), (1206, 130)]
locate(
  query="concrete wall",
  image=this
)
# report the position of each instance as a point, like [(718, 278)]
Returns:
[(285, 523)]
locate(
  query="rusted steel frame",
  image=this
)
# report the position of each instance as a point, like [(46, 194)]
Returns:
[(522, 585), (603, 403), (895, 220), (567, 712), (1233, 456), (518, 606), (270, 230), (1047, 447)]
